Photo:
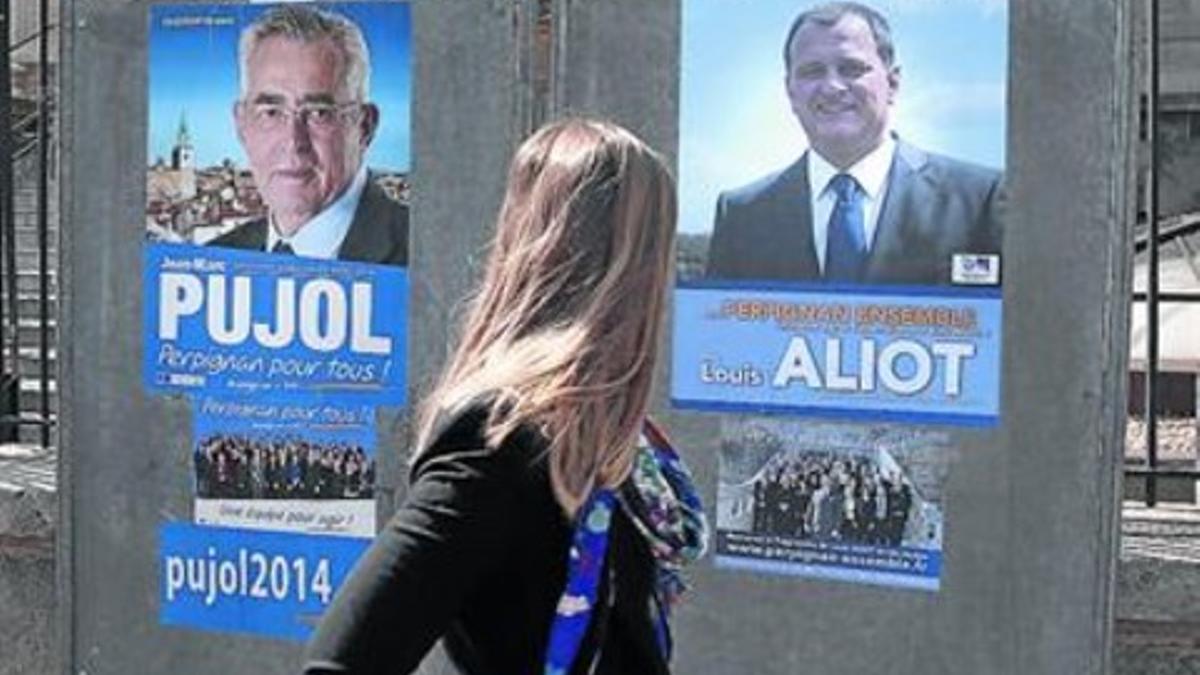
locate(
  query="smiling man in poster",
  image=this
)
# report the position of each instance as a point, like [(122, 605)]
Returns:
[(325, 315), (862, 281), (275, 294), (305, 121), (861, 205)]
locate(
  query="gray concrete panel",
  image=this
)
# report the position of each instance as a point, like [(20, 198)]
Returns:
[(619, 60), (1066, 337), (27, 612), (1030, 506), (27, 594), (126, 459)]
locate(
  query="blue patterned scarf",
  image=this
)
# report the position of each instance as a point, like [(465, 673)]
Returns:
[(660, 499)]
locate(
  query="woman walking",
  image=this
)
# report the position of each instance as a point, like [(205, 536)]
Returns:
[(547, 518)]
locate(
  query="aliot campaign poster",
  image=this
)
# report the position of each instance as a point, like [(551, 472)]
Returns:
[(832, 501), (841, 210), (275, 293)]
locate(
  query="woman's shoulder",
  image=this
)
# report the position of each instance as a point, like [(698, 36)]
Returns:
[(463, 423), (462, 431)]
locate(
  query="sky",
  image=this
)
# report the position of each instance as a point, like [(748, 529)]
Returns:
[(193, 74), (735, 122)]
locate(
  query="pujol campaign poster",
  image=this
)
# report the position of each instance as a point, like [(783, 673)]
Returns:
[(275, 293)]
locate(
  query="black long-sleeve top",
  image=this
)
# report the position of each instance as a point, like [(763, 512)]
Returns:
[(477, 554)]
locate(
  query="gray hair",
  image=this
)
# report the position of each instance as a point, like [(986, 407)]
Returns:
[(829, 13), (307, 24)]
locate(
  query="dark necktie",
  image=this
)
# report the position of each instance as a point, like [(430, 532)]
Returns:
[(846, 241), (283, 247)]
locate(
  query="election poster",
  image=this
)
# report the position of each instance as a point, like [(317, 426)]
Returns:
[(285, 466), (841, 195), (874, 353), (831, 501), (248, 323), (274, 584), (277, 200), (275, 293)]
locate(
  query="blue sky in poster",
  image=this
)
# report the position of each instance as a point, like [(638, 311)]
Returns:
[(193, 73), (736, 125)]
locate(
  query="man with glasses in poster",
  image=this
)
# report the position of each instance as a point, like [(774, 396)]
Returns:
[(305, 122), (861, 205)]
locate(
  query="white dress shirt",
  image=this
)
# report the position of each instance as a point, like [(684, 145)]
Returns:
[(871, 172), (322, 236)]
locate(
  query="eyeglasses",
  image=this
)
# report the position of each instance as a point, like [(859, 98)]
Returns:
[(315, 116)]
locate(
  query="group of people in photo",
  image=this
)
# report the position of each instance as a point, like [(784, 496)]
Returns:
[(829, 497), (238, 466)]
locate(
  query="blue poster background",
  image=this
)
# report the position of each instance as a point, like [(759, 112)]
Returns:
[(347, 333), (800, 349), (264, 583)]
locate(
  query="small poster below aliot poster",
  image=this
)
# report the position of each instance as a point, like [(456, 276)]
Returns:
[(829, 501)]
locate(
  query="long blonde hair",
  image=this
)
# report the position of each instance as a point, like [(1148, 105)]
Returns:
[(563, 333)]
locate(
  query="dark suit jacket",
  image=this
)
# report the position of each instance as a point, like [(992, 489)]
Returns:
[(935, 207), (378, 233)]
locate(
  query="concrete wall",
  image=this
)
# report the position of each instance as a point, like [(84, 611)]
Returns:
[(27, 593), (127, 468), (1032, 529), (1032, 508)]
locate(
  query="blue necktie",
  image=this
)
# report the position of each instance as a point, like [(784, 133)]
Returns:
[(283, 247), (846, 241)]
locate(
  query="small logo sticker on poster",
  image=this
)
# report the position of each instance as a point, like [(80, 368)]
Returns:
[(975, 269)]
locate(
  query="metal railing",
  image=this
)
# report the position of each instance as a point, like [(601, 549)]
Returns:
[(1158, 233), (1153, 470), (28, 131)]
